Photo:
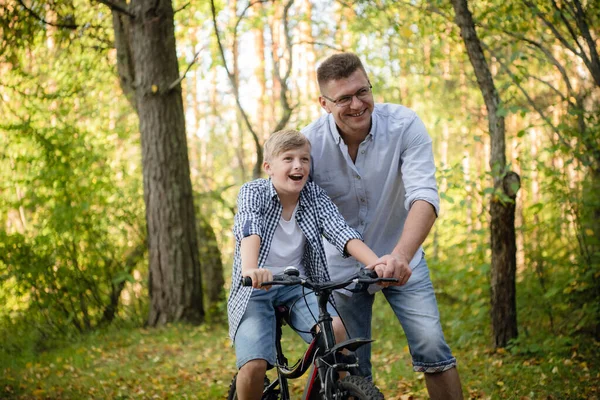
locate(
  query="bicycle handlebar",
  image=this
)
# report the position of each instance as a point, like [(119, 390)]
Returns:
[(291, 277)]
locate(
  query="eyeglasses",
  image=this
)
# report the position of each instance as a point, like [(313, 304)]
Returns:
[(344, 101)]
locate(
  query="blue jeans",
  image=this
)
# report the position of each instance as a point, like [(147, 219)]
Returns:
[(255, 337), (416, 308)]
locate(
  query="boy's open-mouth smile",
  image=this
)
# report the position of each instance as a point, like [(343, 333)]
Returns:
[(296, 177)]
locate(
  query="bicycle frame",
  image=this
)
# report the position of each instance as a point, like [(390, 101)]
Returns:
[(323, 354)]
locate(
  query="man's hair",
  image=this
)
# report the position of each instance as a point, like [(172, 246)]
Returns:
[(282, 141), (338, 66)]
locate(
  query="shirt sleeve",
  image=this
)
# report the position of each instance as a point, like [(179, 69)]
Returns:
[(418, 167), (335, 229), (248, 219)]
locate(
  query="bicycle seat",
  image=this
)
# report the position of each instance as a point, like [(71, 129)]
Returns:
[(283, 314)]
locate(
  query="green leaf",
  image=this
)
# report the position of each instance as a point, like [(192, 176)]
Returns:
[(536, 208), (449, 199)]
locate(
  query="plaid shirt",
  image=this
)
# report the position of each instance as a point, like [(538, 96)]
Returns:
[(259, 211)]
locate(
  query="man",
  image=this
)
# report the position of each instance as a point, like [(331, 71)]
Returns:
[(376, 163)]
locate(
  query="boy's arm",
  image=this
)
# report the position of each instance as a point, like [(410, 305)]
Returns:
[(359, 250), (249, 249)]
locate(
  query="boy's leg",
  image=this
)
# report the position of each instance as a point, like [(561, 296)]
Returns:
[(416, 308), (356, 312), (339, 330), (255, 343), (304, 312), (249, 382)]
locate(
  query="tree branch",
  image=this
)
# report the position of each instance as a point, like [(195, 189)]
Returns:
[(283, 86), (552, 87), (529, 99), (547, 53), (312, 42), (288, 40), (249, 6), (551, 26), (181, 8), (40, 18), (435, 10), (232, 79), (182, 77), (571, 31), (580, 19), (118, 6)]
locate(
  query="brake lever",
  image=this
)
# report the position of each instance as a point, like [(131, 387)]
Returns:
[(362, 283)]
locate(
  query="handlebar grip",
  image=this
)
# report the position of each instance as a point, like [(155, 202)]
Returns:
[(246, 281), (369, 273), (277, 280)]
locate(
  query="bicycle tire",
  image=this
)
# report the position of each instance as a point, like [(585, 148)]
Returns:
[(232, 393), (357, 388)]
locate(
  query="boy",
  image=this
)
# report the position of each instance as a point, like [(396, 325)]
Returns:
[(279, 223)]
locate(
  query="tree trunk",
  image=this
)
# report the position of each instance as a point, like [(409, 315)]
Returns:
[(212, 270), (506, 185), (175, 282)]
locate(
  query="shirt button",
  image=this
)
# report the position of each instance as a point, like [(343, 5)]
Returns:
[(358, 177), (362, 200), (362, 152)]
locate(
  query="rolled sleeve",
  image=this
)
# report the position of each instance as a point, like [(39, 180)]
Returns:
[(418, 167), (248, 219)]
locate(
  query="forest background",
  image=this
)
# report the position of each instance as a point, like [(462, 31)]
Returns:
[(77, 317)]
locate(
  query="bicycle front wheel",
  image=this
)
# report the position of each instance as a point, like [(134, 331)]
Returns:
[(357, 388), (232, 393)]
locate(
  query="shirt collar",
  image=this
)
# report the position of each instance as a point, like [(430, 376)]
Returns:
[(336, 135), (333, 129), (301, 201), (373, 123), (272, 191)]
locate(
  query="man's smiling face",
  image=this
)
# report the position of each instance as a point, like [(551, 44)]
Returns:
[(355, 118), (289, 170)]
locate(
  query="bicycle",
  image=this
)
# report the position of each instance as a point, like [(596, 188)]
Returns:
[(323, 354)]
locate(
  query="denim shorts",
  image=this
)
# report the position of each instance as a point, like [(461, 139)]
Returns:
[(255, 336), (416, 308)]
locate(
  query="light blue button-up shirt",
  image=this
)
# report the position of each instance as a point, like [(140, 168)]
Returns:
[(394, 167)]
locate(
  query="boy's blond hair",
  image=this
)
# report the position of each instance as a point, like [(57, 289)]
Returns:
[(282, 141)]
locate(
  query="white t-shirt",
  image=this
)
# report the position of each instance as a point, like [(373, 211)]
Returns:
[(287, 247)]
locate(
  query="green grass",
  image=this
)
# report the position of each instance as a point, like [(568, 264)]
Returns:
[(180, 361)]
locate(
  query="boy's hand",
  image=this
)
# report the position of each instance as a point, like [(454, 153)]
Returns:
[(392, 266), (380, 270), (259, 275)]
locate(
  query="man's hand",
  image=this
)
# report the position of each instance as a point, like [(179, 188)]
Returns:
[(259, 275), (392, 266)]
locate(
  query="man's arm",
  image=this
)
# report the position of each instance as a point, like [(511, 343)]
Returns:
[(418, 223), (422, 200)]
